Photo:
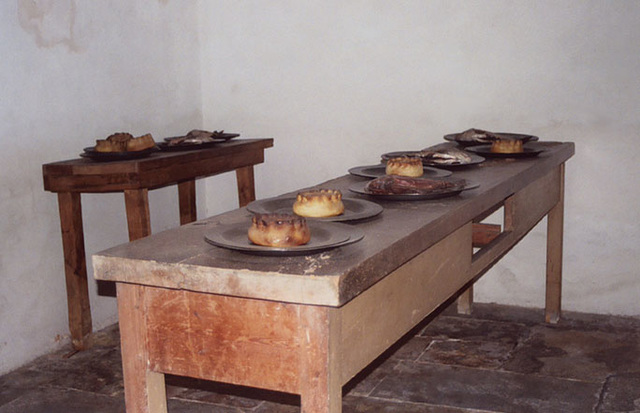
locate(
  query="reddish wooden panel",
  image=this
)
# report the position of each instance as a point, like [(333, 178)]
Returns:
[(229, 339)]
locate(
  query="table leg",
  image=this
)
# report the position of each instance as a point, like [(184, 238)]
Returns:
[(187, 201), (246, 185), (320, 387), (138, 216), (144, 390), (75, 268), (555, 224)]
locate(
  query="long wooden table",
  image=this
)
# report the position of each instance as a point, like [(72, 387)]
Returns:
[(308, 324), (135, 178)]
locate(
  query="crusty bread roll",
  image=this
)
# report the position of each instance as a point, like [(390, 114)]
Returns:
[(507, 146), (279, 230), (405, 166), (141, 143), (124, 142), (319, 203)]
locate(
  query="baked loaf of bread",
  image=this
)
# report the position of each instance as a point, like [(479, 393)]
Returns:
[(507, 146), (319, 203), (279, 230), (405, 166), (124, 142)]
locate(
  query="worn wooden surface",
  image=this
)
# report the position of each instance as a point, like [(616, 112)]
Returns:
[(158, 170), (308, 324), (135, 178), (334, 277)]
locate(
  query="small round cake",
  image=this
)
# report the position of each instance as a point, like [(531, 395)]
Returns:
[(279, 230), (405, 166), (319, 203), (507, 146)]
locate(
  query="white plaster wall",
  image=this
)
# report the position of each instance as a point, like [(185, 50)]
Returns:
[(336, 83), (71, 72)]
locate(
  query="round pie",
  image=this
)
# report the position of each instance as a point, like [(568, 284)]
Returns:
[(405, 166), (279, 230), (319, 203), (507, 146)]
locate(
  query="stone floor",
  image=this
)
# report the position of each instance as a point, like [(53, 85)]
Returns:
[(501, 359)]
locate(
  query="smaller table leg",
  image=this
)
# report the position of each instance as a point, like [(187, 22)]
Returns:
[(144, 390), (555, 224), (246, 185), (138, 216), (75, 268), (187, 201)]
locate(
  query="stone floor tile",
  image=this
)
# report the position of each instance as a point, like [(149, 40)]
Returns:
[(621, 394), (61, 400), (373, 405), (576, 354), (488, 390), (464, 328), (221, 394), (474, 353)]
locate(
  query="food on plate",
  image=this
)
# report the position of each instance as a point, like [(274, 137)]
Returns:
[(196, 137), (404, 185), (405, 166), (319, 203), (507, 146), (279, 230), (124, 142), (477, 135), (448, 156)]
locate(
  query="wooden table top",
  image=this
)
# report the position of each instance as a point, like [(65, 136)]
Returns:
[(181, 259), (159, 169)]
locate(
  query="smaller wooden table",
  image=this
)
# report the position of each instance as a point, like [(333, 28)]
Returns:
[(135, 178)]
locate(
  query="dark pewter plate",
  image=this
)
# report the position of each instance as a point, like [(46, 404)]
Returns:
[(92, 154), (456, 137), (217, 138), (360, 188), (376, 171), (475, 159), (354, 209), (324, 236), (485, 150)]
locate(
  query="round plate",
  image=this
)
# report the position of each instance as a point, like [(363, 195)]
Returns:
[(354, 209), (475, 159), (376, 171), (455, 137), (485, 150), (164, 146), (359, 188), (324, 236), (91, 153)]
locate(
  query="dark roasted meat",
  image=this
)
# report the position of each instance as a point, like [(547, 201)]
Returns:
[(404, 185)]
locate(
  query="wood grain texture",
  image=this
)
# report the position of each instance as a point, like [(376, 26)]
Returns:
[(187, 201), (138, 215), (228, 339), (246, 185), (555, 236), (144, 389), (378, 317), (75, 269)]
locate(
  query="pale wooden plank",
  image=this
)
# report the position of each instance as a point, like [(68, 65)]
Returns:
[(319, 335), (144, 389), (378, 317)]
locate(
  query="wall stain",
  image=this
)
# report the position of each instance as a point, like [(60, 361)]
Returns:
[(51, 22)]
